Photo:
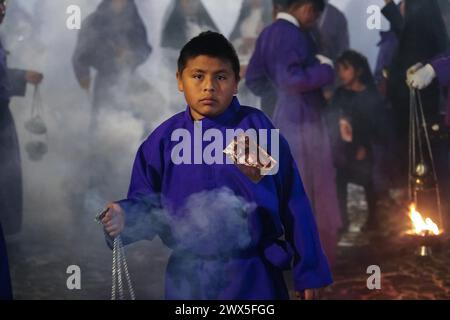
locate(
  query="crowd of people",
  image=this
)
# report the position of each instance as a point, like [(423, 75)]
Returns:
[(344, 122)]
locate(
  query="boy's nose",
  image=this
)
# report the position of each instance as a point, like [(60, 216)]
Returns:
[(209, 86)]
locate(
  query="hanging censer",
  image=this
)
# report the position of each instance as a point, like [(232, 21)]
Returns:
[(119, 267), (423, 187), (36, 148)]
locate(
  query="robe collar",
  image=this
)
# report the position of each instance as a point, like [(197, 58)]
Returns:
[(288, 17), (222, 119)]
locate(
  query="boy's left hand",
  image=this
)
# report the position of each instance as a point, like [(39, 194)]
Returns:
[(308, 294)]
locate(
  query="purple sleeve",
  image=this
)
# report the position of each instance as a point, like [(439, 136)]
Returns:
[(311, 269), (17, 82), (142, 206), (294, 74), (441, 66)]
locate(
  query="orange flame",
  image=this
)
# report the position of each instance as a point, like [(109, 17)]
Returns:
[(421, 226)]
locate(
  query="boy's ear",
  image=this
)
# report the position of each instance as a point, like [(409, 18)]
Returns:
[(180, 82), (236, 87)]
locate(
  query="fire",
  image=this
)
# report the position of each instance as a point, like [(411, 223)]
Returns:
[(421, 226)]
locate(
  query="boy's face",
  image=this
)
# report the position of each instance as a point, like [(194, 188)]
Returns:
[(209, 85), (306, 15)]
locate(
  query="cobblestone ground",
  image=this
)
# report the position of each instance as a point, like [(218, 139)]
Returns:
[(405, 274), (39, 259)]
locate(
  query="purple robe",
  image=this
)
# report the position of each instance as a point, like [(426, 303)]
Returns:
[(212, 258), (441, 66), (387, 48), (12, 83), (285, 57)]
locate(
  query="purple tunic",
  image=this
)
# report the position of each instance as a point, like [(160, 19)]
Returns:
[(441, 66), (218, 262), (285, 56)]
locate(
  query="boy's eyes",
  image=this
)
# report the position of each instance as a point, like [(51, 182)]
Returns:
[(201, 76)]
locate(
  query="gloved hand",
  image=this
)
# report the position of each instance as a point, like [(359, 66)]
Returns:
[(419, 76), (325, 60)]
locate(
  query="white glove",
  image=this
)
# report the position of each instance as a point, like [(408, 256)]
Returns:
[(325, 60), (414, 68), (421, 77)]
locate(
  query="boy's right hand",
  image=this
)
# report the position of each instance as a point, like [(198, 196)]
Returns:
[(114, 220)]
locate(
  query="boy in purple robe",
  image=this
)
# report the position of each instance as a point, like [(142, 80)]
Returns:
[(286, 57), (232, 232)]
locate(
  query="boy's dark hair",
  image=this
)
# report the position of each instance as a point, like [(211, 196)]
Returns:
[(211, 44), (360, 64), (319, 5), (280, 4)]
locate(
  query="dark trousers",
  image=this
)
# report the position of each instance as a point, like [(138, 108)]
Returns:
[(360, 173)]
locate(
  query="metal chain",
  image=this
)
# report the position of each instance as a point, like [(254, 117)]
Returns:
[(114, 272), (127, 274), (119, 264)]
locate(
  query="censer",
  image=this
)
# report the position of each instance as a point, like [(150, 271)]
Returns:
[(119, 267), (36, 148), (423, 187)]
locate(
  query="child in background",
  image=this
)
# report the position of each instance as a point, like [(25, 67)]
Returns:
[(355, 126)]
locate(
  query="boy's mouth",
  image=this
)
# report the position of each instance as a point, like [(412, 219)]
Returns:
[(208, 101)]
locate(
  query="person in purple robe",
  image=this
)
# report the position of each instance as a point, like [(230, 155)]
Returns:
[(286, 56), (419, 77), (13, 82), (232, 229), (112, 41), (421, 36)]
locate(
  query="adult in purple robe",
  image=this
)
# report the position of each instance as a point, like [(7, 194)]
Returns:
[(225, 230), (13, 82), (285, 56)]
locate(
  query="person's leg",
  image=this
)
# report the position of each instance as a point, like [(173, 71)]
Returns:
[(341, 186), (5, 279), (371, 198)]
